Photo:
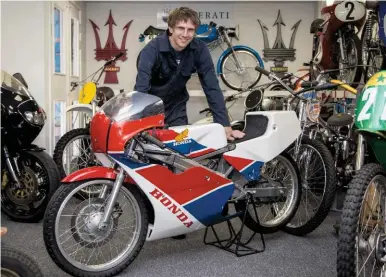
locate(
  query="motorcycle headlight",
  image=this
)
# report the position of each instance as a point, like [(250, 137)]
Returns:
[(37, 118)]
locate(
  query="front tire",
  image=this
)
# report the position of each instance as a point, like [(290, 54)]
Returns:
[(17, 263), (296, 226), (230, 59), (351, 238), (37, 166), (82, 236)]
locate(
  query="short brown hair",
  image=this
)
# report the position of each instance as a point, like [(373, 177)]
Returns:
[(183, 14)]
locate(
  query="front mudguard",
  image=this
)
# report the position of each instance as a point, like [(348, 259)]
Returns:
[(84, 108), (93, 173)]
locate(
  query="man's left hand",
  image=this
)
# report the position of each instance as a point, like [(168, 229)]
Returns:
[(232, 134)]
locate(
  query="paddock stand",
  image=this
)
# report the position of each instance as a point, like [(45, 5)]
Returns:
[(234, 244)]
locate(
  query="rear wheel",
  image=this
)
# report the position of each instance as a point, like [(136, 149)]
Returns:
[(273, 216), (75, 243)]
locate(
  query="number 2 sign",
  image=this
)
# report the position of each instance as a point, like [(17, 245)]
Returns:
[(348, 11)]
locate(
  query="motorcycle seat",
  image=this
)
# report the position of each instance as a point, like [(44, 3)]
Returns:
[(255, 126), (151, 30), (340, 119)]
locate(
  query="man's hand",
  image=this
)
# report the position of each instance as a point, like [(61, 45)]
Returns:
[(232, 134)]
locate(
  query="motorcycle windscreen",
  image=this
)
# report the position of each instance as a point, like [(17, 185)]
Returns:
[(370, 114), (132, 105)]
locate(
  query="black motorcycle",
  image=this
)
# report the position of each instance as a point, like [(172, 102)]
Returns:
[(29, 176)]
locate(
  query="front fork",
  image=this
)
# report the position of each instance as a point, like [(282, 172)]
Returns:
[(112, 199), (360, 157), (12, 167), (342, 47)]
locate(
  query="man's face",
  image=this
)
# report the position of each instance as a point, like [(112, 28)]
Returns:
[(182, 34)]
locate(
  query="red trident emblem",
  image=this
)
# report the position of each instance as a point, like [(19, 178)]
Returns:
[(111, 49)]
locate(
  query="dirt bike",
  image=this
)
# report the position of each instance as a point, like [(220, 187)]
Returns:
[(362, 236), (17, 263), (336, 44), (77, 141), (168, 181)]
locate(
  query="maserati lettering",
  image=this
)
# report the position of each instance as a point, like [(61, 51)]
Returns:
[(172, 207)]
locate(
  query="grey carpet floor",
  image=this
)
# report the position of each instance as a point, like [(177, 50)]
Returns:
[(285, 255)]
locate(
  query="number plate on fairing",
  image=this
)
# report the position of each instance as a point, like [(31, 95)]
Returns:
[(349, 11), (371, 106)]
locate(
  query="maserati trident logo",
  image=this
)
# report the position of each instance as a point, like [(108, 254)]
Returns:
[(279, 52)]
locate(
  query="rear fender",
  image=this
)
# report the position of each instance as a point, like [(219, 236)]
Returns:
[(92, 173)]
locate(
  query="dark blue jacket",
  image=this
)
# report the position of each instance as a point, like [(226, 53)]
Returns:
[(160, 75)]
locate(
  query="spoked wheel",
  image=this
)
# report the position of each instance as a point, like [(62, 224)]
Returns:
[(75, 242), (39, 180), (362, 236), (73, 152), (372, 53), (351, 76), (238, 69), (318, 181), (273, 215)]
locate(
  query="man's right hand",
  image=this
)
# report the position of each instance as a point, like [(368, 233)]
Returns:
[(232, 134)]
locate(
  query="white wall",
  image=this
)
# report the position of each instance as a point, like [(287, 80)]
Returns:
[(23, 49), (244, 14)]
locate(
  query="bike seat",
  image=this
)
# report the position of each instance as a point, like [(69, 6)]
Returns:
[(255, 126), (151, 30), (340, 119)]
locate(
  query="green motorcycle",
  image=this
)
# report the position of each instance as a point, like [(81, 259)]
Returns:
[(362, 235)]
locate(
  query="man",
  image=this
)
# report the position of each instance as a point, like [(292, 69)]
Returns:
[(166, 64)]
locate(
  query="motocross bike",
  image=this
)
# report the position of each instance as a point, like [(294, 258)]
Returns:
[(29, 176), (361, 243), (73, 149), (239, 59), (336, 44), (17, 263), (374, 38), (168, 181)]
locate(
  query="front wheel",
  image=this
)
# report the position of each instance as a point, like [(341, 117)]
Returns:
[(318, 180), (274, 215), (16, 263), (78, 246), (39, 179), (238, 69), (353, 52), (362, 240)]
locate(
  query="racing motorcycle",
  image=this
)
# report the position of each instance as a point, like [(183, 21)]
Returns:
[(362, 240), (336, 43), (168, 181), (29, 175)]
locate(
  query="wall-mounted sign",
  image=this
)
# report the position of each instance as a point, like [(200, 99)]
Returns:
[(221, 14), (110, 49), (279, 53)]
